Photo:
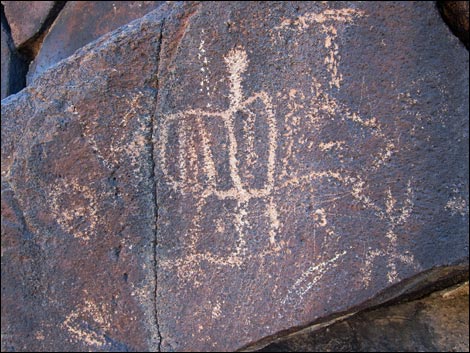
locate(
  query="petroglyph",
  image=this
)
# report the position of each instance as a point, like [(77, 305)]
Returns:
[(80, 218), (205, 84), (132, 146), (395, 217), (187, 183), (457, 206), (89, 323), (192, 168), (326, 146), (326, 21), (216, 310), (309, 278)]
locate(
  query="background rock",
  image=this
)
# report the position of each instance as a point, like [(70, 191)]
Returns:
[(438, 323), (457, 16), (28, 19), (177, 186), (81, 22), (13, 65)]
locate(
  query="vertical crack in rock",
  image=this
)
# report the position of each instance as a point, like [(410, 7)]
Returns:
[(154, 184)]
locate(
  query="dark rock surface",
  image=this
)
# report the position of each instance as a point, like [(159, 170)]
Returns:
[(81, 22), (457, 16), (438, 323), (12, 65), (78, 205), (298, 161), (310, 156)]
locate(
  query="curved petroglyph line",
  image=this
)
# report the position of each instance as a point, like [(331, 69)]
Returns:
[(309, 278)]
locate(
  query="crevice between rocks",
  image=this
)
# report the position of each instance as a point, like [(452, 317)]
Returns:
[(31, 47), (27, 51), (154, 183), (18, 65), (411, 289)]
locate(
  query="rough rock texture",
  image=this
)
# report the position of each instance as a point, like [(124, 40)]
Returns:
[(27, 19), (12, 64), (310, 156), (457, 16), (78, 205), (81, 22), (299, 161), (438, 323)]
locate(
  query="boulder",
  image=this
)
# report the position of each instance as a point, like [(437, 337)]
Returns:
[(81, 22), (27, 19), (457, 16), (438, 323), (176, 186), (13, 65)]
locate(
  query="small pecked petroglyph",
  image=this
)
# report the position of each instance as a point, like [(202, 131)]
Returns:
[(216, 310), (394, 217), (80, 217), (457, 205), (326, 146), (89, 323), (320, 217)]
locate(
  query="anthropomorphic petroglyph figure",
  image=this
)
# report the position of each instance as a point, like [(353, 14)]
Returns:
[(185, 181)]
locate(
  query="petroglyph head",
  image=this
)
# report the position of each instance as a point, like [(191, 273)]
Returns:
[(236, 61)]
